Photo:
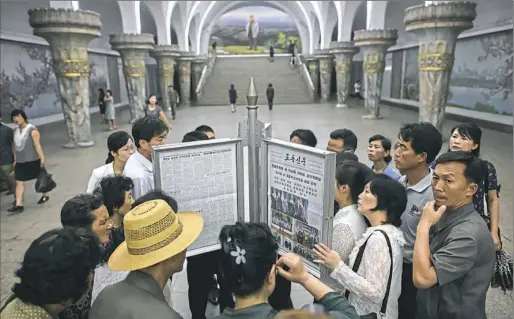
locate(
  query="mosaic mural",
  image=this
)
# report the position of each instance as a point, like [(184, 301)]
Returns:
[(411, 78), (482, 74), (27, 80)]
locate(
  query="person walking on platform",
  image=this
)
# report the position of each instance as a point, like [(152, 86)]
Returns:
[(174, 100), (270, 94), (232, 95)]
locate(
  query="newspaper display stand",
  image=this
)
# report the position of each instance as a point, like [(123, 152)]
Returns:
[(206, 177), (297, 198)]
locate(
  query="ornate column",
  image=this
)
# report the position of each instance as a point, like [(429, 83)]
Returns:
[(69, 32), (343, 53), (133, 49), (197, 67), (374, 45), (325, 72), (165, 55), (184, 64), (313, 67), (437, 27)]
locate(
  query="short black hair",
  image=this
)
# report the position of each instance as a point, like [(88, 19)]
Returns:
[(110, 92), (355, 175), (76, 211), (17, 112), (471, 131), (204, 129), (349, 138), (474, 171), (424, 138), (386, 144), (147, 128), (391, 197), (113, 190), (57, 266), (170, 86), (157, 194), (346, 156), (194, 136), (307, 137), (260, 247)]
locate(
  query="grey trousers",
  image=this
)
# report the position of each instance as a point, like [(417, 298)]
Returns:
[(173, 107), (7, 176), (252, 43)]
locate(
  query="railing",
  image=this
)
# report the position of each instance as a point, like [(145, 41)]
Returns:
[(206, 71), (306, 76)]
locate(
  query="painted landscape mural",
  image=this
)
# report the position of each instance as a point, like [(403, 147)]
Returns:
[(275, 28)]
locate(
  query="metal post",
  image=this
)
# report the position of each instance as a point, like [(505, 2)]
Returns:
[(253, 152)]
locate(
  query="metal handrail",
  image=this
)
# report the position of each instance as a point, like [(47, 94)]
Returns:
[(206, 71)]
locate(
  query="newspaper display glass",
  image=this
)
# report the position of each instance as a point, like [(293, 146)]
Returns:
[(296, 200), (202, 178)]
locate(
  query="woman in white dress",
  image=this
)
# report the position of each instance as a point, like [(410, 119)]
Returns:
[(110, 113), (375, 264), (120, 146)]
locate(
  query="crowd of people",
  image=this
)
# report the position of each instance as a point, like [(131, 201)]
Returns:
[(412, 235)]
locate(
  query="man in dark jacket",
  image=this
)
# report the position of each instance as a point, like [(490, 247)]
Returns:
[(270, 94)]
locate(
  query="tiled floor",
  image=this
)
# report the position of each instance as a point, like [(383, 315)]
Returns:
[(72, 168)]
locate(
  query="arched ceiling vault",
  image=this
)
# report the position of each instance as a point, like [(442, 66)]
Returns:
[(241, 4), (211, 8)]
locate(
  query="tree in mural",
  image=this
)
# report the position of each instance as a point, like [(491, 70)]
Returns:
[(283, 40), (501, 48), (22, 88)]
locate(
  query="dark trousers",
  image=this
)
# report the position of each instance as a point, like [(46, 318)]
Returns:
[(173, 107), (407, 300), (200, 270), (7, 177), (102, 108), (270, 104)]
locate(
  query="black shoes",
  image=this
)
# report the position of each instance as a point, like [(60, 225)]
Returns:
[(16, 209), (43, 199)]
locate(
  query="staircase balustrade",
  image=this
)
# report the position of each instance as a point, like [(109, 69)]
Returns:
[(206, 72), (307, 76)]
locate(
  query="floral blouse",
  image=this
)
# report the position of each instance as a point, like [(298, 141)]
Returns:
[(368, 286), (478, 198)]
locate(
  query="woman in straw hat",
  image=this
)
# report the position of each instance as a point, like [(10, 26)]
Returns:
[(156, 241)]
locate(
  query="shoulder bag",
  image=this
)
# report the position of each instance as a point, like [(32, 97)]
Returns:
[(355, 268)]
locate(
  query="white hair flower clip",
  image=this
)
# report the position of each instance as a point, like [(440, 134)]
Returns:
[(239, 254), (229, 239)]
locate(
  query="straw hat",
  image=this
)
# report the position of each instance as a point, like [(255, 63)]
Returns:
[(154, 233)]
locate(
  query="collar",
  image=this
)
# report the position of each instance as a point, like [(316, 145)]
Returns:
[(146, 282), (449, 218), (144, 161), (252, 311), (422, 185), (346, 211), (26, 310), (110, 168)]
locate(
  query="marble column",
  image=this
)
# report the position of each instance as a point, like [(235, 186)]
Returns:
[(166, 55), (373, 45), (343, 53), (313, 67), (325, 59), (69, 32), (197, 66), (437, 27), (184, 64), (134, 48)]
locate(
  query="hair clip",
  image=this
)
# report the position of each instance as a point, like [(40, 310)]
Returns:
[(239, 254), (229, 239)]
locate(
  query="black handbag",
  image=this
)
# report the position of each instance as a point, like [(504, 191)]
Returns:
[(355, 268), (44, 182)]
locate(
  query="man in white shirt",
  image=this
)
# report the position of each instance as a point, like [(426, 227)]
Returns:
[(147, 132)]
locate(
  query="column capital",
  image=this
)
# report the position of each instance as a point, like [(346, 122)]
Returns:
[(321, 54), (187, 56), (200, 59), (347, 47), (383, 38), (132, 42), (58, 25), (451, 15), (165, 51)]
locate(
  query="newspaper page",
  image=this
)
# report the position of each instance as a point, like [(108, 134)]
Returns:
[(203, 179), (295, 203)]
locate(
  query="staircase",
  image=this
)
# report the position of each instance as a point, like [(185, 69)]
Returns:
[(290, 86)]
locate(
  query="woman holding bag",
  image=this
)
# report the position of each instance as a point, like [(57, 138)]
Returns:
[(29, 160)]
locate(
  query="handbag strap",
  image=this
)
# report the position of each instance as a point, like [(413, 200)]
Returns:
[(357, 263), (486, 187)]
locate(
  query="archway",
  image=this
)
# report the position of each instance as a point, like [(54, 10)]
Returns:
[(295, 10), (360, 18)]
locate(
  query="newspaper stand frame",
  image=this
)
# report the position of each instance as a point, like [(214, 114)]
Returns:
[(166, 150), (329, 159)]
